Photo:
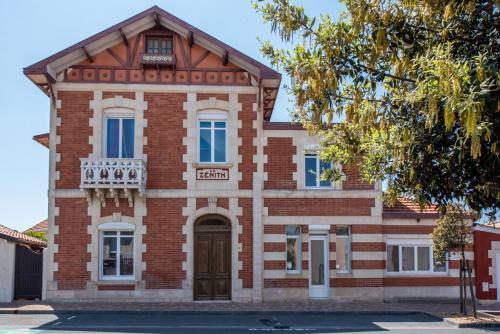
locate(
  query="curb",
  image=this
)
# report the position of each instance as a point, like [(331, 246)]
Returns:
[(180, 312), (456, 324)]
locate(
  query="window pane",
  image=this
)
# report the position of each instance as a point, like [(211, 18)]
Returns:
[(292, 230), (439, 267), (393, 258), (126, 256), (342, 230), (408, 258), (220, 146), (127, 233), (205, 124), (109, 256), (310, 171), (113, 138), (324, 165), (317, 262), (423, 258), (109, 233), (342, 253), (205, 140), (292, 254), (220, 125), (128, 138)]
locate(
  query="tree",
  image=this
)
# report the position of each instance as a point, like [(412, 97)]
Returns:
[(416, 84), (38, 235), (451, 234)]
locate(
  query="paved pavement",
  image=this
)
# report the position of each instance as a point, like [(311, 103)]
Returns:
[(290, 306), (235, 323)]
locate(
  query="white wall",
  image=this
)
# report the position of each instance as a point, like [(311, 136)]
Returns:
[(7, 260)]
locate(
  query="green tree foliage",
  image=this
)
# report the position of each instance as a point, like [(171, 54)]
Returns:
[(417, 84), (38, 235), (452, 232)]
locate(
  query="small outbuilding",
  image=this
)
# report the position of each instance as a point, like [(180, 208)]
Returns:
[(21, 265), (487, 261)]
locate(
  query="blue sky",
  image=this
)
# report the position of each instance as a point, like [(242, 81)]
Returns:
[(33, 30)]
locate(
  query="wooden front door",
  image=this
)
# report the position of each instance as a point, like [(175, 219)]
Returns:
[(212, 260)]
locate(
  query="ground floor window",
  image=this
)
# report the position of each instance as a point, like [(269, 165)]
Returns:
[(343, 249), (412, 258), (117, 254), (293, 249)]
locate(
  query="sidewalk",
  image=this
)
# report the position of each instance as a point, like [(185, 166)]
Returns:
[(318, 306)]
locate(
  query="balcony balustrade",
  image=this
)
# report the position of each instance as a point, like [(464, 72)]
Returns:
[(113, 175)]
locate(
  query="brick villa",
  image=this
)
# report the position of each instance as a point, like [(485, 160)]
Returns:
[(168, 181)]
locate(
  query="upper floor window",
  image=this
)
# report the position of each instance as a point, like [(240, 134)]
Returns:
[(117, 254), (314, 167), (412, 259), (159, 45), (119, 137), (212, 140)]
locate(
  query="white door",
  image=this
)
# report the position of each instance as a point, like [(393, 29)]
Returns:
[(498, 275), (319, 267)]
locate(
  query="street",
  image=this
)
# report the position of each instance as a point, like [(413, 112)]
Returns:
[(225, 323)]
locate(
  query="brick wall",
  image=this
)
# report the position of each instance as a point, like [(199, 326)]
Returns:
[(353, 179), (319, 206), (163, 242), (247, 134), (72, 240), (483, 263), (127, 95), (202, 202), (74, 132), (111, 208), (246, 239), (280, 166), (164, 148)]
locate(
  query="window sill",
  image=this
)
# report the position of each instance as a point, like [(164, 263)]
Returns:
[(212, 164), (415, 273), (116, 281), (344, 274)]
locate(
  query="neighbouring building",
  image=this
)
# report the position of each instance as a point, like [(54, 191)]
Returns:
[(169, 182), (487, 261), (21, 264)]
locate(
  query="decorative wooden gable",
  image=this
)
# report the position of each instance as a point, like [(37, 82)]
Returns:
[(183, 55)]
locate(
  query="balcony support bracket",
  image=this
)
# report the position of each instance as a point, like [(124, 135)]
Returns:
[(130, 197), (101, 196), (114, 194)]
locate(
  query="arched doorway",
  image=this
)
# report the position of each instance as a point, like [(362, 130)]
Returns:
[(212, 258)]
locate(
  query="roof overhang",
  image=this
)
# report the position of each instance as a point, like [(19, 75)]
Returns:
[(46, 71)]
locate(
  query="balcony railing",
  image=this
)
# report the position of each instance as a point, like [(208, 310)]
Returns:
[(113, 174), (157, 59)]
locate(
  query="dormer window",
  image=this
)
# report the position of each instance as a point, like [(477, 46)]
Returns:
[(160, 45)]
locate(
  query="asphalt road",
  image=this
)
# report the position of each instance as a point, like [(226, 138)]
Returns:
[(210, 323)]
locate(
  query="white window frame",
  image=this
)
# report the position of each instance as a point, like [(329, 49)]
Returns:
[(119, 114), (308, 155), (116, 227), (349, 252), (415, 272), (299, 251), (212, 118)]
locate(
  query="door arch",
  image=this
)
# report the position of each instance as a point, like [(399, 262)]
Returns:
[(212, 258)]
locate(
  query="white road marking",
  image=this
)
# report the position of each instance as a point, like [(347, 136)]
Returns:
[(57, 323), (72, 317)]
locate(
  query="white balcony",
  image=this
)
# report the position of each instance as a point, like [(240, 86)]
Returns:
[(113, 175)]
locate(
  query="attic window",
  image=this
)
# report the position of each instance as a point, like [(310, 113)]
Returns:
[(159, 45)]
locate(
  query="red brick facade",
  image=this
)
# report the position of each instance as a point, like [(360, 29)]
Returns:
[(165, 149), (163, 242), (72, 239), (280, 166), (319, 206), (74, 132)]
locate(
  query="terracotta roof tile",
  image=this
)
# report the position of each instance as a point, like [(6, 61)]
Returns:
[(9, 234), (406, 208), (40, 227)]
